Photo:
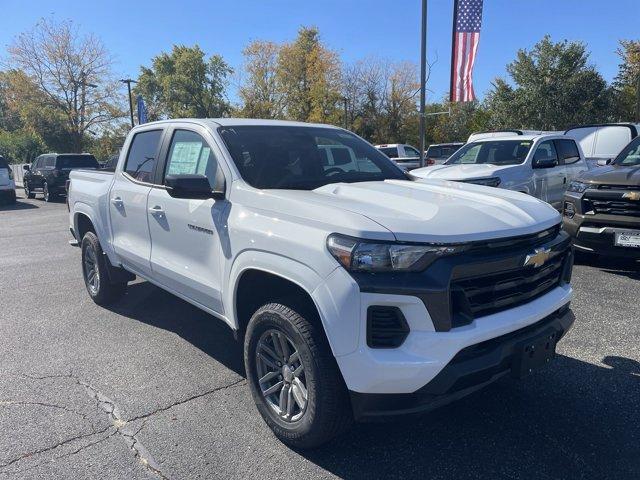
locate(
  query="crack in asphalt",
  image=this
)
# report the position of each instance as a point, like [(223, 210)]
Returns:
[(8, 403), (186, 400), (122, 425)]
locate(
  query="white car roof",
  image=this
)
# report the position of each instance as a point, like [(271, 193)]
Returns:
[(520, 138)]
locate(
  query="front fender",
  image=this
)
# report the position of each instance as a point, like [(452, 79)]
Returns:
[(336, 298)]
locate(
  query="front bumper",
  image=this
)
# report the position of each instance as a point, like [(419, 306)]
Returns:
[(469, 370), (595, 233)]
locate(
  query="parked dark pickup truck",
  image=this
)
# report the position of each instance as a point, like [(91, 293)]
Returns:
[(48, 173), (602, 207)]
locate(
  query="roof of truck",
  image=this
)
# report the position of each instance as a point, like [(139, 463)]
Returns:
[(233, 122), (519, 138)]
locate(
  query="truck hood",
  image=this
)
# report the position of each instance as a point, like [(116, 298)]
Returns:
[(428, 210), (613, 175), (461, 172)]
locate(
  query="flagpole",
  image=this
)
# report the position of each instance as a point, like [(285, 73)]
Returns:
[(423, 78)]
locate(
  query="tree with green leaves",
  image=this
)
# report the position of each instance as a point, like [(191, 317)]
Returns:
[(260, 92), (626, 85), (184, 83), (309, 79), (552, 87)]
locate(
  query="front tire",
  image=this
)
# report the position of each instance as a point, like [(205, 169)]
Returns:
[(96, 275), (293, 377)]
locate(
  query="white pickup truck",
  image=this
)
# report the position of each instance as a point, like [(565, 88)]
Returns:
[(541, 165), (357, 292)]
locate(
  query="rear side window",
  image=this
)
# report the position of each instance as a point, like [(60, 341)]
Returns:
[(434, 152), (568, 151), (76, 161), (143, 155), (391, 152), (3, 163), (50, 162), (411, 152)]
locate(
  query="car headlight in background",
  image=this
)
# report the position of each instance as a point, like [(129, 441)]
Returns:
[(487, 182), (578, 187), (370, 256)]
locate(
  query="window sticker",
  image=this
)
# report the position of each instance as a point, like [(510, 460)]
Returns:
[(184, 158)]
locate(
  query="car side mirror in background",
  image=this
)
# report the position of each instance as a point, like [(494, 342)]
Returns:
[(26, 168), (545, 162), (603, 162), (191, 186)]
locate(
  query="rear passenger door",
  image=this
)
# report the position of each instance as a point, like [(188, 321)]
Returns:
[(569, 156), (128, 200)]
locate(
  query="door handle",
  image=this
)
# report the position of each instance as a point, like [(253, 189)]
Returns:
[(157, 210), (564, 180), (117, 201)]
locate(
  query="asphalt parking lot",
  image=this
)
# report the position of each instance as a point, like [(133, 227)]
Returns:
[(154, 388)]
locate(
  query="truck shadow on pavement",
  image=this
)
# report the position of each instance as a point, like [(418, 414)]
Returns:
[(615, 265), (5, 207), (572, 420)]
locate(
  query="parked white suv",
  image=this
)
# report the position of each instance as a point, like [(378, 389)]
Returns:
[(357, 293), (539, 165), (7, 184), (405, 156)]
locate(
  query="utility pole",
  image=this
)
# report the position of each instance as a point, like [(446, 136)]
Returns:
[(423, 78), (346, 124), (129, 81)]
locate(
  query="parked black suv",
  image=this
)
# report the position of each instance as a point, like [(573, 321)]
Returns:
[(49, 172), (602, 207)]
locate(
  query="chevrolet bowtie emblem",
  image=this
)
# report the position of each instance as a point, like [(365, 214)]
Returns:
[(632, 196), (538, 258)]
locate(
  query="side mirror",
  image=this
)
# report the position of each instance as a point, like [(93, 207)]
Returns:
[(546, 162), (603, 162), (26, 168), (192, 187)]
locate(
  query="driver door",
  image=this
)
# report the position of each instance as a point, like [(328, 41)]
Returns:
[(187, 235)]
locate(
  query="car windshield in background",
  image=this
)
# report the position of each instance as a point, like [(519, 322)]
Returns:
[(77, 161), (630, 155), (497, 152), (304, 158)]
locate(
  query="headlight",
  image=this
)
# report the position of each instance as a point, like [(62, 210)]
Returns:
[(368, 256), (578, 187), (487, 182)]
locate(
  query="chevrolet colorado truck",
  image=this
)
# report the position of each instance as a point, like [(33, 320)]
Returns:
[(602, 207), (356, 292)]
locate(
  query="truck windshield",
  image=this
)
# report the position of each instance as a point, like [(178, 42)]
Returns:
[(495, 152), (304, 158), (76, 161), (630, 155)]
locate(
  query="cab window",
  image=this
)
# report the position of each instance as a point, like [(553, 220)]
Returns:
[(545, 151), (190, 154), (142, 155), (568, 151), (411, 152)]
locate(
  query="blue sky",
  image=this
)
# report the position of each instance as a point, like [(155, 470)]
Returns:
[(135, 31)]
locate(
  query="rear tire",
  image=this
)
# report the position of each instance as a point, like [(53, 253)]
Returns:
[(48, 195), (95, 273), (27, 191), (320, 404)]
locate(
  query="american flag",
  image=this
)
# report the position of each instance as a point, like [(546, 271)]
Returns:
[(467, 19)]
